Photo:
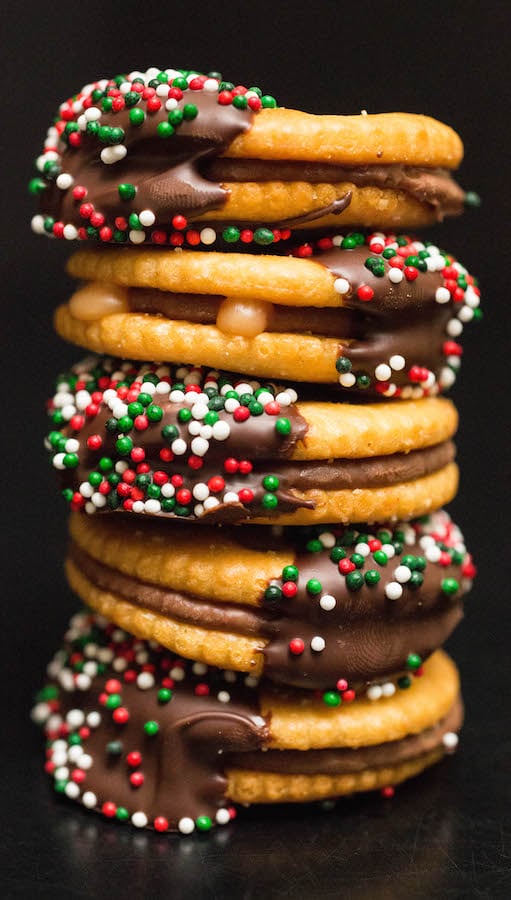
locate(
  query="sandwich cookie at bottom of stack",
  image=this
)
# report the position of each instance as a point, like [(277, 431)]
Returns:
[(160, 742)]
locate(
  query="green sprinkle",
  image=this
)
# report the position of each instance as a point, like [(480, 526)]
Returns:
[(354, 580), (337, 553), (203, 823), (449, 585), (231, 234), (165, 130), (270, 501), (271, 482), (273, 593), (190, 111), (283, 426), (314, 586), (290, 573), (372, 577), (175, 117), (332, 698), (404, 682), (126, 191), (114, 748), (113, 701), (151, 728), (122, 814), (263, 236), (413, 661), (124, 446), (380, 557), (343, 365), (164, 695), (137, 117), (154, 413)]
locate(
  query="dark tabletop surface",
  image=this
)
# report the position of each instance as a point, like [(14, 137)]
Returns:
[(446, 834)]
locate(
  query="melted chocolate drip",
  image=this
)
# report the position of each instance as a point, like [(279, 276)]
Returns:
[(167, 172)]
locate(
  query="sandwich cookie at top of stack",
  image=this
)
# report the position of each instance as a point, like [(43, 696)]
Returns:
[(164, 743), (166, 441), (377, 315), (178, 158), (312, 607)]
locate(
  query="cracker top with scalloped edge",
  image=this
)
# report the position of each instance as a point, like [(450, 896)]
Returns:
[(172, 156)]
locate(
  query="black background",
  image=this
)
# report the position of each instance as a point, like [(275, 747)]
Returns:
[(447, 833)]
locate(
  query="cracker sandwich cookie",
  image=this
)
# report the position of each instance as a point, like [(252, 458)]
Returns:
[(146, 738), (316, 608), (183, 442), (378, 314), (178, 158)]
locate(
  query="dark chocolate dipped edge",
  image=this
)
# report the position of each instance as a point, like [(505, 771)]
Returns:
[(147, 738), (353, 607), (124, 444), (129, 158)]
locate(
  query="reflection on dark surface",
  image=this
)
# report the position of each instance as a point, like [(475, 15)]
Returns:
[(375, 848)]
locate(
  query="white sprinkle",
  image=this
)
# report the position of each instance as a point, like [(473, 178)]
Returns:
[(74, 753), (64, 181), (199, 668), (222, 817), (393, 590), (111, 155), (72, 790), (40, 713), (450, 740), (89, 799), (99, 500), (347, 379), (61, 773), (327, 539), (162, 388), (200, 491), (283, 398), (223, 697), (139, 820), (251, 681), (397, 363), (230, 497), (70, 233), (75, 718), (327, 602), (341, 286), (171, 103), (231, 404), (177, 673), (442, 295), (402, 574), (454, 328), (59, 759), (395, 275), (138, 506), (229, 676), (199, 410), (178, 447), (433, 554), (147, 218), (389, 550), (152, 506), (93, 113), (83, 682), (199, 446), (37, 224), (148, 388), (168, 490), (137, 237), (210, 85), (176, 396), (221, 430), (208, 236), (362, 549), (374, 692), (466, 314), (145, 681), (388, 689), (210, 503), (383, 372), (185, 825), (318, 643), (206, 432), (471, 298)]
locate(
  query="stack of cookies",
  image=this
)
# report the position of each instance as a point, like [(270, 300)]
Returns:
[(257, 455)]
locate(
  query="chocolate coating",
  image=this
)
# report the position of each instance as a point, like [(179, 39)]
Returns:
[(151, 738), (367, 635)]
